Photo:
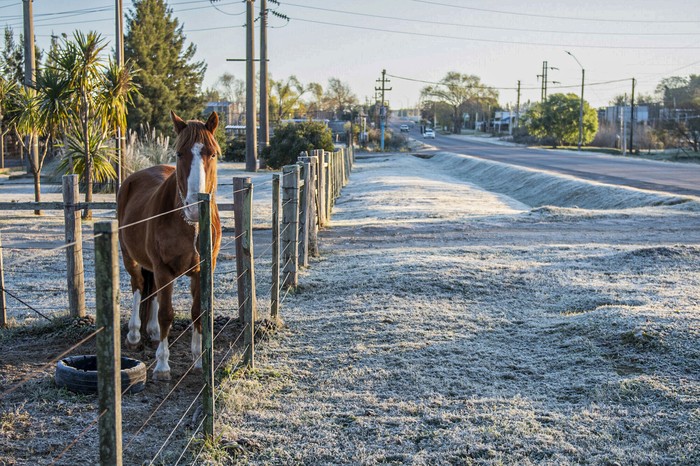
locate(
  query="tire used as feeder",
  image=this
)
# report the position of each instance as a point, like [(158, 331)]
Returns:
[(79, 374)]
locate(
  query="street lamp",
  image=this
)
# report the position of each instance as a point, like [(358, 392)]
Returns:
[(580, 111)]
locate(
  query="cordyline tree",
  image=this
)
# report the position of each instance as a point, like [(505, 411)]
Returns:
[(76, 105), (462, 93), (168, 80), (558, 120)]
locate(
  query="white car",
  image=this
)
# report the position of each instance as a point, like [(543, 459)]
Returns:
[(404, 128), (429, 133)]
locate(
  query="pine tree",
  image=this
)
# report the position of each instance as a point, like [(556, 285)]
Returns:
[(169, 79)]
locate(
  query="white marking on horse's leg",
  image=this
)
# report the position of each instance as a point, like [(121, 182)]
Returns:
[(162, 370), (196, 182), (196, 348), (134, 335), (153, 327)]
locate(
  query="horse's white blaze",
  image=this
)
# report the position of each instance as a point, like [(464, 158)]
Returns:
[(197, 348), (153, 326), (162, 357), (196, 182), (134, 334)]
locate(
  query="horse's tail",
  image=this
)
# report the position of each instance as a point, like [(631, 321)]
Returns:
[(145, 306)]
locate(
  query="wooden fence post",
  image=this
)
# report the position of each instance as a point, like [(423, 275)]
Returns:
[(249, 276), (108, 343), (275, 291), (313, 207), (321, 188), (74, 253), (328, 188), (305, 171), (206, 296), (290, 222), (3, 303), (238, 194)]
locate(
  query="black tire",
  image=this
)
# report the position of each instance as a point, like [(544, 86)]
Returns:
[(79, 374)]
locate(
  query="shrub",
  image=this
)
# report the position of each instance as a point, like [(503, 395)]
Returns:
[(294, 138), (234, 150)]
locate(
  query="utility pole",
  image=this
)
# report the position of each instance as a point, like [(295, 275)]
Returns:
[(251, 139), (517, 108), (631, 146), (264, 106), (543, 91), (382, 110), (545, 79), (580, 108), (30, 81), (119, 56), (29, 58)]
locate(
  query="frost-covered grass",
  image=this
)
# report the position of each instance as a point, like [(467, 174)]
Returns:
[(444, 324), (555, 322)]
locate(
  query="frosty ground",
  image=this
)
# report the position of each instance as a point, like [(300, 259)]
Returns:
[(445, 324), (461, 312)]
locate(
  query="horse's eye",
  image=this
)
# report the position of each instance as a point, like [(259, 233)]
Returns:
[(177, 154)]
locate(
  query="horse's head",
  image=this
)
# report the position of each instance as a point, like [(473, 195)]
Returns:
[(196, 149)]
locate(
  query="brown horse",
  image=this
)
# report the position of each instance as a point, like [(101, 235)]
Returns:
[(157, 251)]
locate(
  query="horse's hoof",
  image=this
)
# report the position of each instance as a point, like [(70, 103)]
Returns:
[(132, 346), (161, 376)]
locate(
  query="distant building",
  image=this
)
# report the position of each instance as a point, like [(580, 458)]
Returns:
[(226, 111), (611, 115)]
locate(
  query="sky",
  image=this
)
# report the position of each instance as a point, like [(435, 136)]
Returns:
[(421, 40)]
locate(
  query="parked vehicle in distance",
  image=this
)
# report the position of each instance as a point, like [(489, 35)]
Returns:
[(429, 133), (404, 128)]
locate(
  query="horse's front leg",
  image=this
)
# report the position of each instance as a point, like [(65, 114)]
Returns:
[(165, 319), (196, 322)]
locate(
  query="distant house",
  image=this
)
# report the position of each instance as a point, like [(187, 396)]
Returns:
[(611, 115), (226, 111)]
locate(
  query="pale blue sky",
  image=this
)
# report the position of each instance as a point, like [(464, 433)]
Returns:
[(424, 39)]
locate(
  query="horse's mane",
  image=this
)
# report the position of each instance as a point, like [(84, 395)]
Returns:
[(195, 131)]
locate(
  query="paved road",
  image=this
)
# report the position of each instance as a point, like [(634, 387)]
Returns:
[(678, 178)]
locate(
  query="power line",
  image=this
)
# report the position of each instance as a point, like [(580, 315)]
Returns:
[(572, 18), (498, 28), (515, 88), (497, 41)]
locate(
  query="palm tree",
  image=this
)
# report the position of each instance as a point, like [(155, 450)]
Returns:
[(79, 60), (286, 95), (27, 122), (117, 92)]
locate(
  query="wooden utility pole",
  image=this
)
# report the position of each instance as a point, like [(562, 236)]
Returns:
[(251, 137), (631, 146), (119, 58), (382, 108), (29, 58), (517, 108), (30, 82), (264, 106)]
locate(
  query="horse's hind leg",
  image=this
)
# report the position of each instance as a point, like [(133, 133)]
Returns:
[(133, 338), (163, 279), (151, 314)]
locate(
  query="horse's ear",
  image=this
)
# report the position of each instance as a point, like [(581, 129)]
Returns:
[(178, 122), (212, 122)]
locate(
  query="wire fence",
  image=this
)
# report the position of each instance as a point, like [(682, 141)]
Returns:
[(50, 258)]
